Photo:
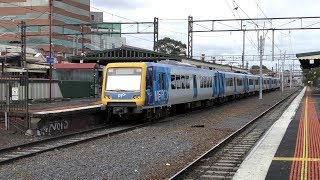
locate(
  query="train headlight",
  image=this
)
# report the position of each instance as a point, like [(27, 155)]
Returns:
[(136, 97), (107, 96)]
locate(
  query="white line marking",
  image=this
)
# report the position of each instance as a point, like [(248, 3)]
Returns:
[(256, 164)]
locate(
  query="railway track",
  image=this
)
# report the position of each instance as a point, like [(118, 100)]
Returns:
[(223, 160), (10, 154)]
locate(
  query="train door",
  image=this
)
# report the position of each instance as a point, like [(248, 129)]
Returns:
[(149, 87), (216, 85), (195, 88), (235, 84), (245, 84), (213, 86), (222, 83)]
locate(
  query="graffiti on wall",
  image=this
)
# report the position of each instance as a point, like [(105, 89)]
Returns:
[(53, 127)]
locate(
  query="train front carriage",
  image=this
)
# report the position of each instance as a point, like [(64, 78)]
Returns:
[(123, 89)]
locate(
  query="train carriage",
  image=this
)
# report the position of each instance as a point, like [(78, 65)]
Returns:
[(155, 88)]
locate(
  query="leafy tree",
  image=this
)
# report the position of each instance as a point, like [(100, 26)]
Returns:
[(170, 46), (258, 67), (313, 75)]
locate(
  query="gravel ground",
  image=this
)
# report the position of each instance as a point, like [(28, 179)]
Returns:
[(154, 152)]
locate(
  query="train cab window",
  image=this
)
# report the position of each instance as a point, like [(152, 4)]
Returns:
[(173, 82), (178, 82), (264, 82), (250, 82), (187, 82), (183, 82), (257, 81)]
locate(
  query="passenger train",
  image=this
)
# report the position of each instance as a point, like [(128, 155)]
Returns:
[(155, 89)]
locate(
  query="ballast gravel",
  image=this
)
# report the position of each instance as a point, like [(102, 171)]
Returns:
[(154, 152)]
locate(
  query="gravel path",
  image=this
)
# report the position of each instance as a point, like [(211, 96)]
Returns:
[(153, 152)]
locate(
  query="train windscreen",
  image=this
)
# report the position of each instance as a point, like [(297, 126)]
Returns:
[(123, 79)]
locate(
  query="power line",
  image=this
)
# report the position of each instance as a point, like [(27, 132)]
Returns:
[(249, 38), (113, 14)]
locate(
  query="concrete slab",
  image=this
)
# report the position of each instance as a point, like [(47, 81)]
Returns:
[(257, 163)]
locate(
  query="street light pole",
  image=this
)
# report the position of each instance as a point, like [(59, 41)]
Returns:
[(261, 44), (50, 47), (282, 80)]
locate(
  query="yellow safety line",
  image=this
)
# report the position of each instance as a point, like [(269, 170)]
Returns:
[(304, 167), (296, 159)]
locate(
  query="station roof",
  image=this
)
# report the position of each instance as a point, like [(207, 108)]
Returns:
[(309, 60), (127, 53), (124, 54)]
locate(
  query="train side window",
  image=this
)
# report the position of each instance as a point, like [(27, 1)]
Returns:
[(201, 82), (173, 82), (215, 81), (257, 82), (187, 82), (250, 82), (178, 82), (229, 82), (210, 81), (239, 82), (206, 85), (183, 82)]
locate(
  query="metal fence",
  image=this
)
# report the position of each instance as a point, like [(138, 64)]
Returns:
[(14, 105)]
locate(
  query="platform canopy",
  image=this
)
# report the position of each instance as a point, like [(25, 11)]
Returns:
[(124, 54), (309, 60), (127, 53)]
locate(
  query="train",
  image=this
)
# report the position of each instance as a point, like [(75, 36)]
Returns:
[(156, 89)]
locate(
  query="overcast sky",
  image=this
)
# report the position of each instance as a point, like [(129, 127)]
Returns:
[(173, 23)]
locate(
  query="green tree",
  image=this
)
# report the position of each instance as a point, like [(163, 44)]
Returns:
[(170, 46)]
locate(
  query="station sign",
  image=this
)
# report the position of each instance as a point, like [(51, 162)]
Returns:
[(50, 60)]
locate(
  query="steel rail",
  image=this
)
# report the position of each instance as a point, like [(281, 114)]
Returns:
[(10, 154), (225, 141)]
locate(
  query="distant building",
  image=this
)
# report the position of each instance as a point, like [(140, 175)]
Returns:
[(102, 37), (36, 12)]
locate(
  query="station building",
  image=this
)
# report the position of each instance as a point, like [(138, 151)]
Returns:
[(70, 19)]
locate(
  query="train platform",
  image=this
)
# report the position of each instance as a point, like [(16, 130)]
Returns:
[(291, 147), (48, 118), (63, 106)]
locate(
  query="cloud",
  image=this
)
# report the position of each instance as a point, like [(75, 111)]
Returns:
[(217, 43), (119, 4)]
